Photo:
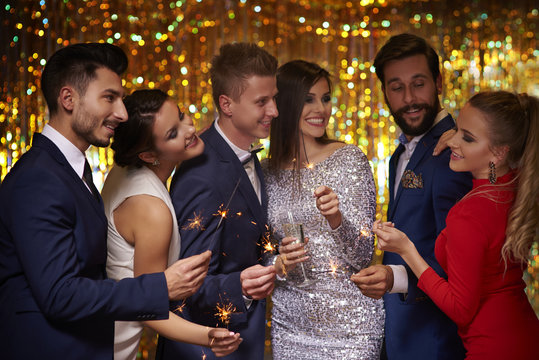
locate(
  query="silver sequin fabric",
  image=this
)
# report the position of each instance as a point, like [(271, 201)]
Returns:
[(329, 319)]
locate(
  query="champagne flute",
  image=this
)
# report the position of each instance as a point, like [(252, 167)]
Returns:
[(293, 229)]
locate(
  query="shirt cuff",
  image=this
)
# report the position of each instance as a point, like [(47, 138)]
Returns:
[(248, 301), (400, 279)]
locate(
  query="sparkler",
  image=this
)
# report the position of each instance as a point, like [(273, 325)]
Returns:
[(223, 212), (224, 311), (334, 267), (195, 223), (180, 307)]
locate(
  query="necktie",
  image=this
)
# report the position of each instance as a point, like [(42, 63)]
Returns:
[(89, 180), (249, 166)]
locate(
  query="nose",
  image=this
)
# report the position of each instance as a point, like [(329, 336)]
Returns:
[(119, 110), (409, 95), (452, 141), (272, 109)]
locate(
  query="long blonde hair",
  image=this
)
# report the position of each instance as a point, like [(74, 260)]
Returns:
[(514, 122)]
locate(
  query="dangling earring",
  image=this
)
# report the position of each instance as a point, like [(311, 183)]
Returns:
[(156, 163), (492, 172)]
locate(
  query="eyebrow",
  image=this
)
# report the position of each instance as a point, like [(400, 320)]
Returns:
[(417, 76), (114, 92)]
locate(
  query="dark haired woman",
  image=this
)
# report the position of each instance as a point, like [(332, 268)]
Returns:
[(485, 245), (328, 187), (143, 233)]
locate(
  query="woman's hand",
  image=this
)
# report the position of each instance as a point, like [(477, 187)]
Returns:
[(390, 238), (223, 342), (291, 253), (327, 203)]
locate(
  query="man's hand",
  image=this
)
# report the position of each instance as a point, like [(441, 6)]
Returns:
[(257, 281), (374, 281), (185, 276)]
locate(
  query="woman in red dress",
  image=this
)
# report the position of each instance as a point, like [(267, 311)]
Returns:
[(485, 246)]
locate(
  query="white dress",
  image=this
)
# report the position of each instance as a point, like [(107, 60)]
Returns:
[(121, 183)]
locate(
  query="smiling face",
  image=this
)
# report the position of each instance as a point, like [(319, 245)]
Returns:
[(99, 111), (411, 94), (316, 110), (174, 135), (249, 118), (471, 149)]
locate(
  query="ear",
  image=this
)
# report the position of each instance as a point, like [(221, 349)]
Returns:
[(66, 98), (439, 84), (500, 154), (225, 103), (148, 157)]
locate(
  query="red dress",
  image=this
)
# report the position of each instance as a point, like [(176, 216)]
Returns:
[(484, 298)]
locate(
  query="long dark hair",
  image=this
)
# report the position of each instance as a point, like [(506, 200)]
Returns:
[(294, 80), (135, 135)]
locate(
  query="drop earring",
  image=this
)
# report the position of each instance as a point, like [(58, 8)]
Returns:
[(156, 163), (492, 172)]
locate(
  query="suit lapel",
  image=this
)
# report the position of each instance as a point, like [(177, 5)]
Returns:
[(230, 164), (47, 145), (423, 148)]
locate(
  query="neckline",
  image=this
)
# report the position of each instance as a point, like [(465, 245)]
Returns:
[(321, 162)]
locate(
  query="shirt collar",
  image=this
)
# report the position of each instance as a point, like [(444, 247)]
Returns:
[(404, 140), (240, 153), (73, 155)]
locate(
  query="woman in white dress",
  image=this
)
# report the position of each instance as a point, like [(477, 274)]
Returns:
[(143, 234), (328, 187)]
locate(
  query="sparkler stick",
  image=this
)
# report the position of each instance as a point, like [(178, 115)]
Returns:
[(223, 213)]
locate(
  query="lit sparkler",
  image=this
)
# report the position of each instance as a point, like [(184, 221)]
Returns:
[(195, 223), (223, 212), (309, 166), (365, 232), (180, 307), (334, 267), (224, 311)]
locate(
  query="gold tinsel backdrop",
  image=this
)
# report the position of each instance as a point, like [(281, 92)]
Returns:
[(483, 44)]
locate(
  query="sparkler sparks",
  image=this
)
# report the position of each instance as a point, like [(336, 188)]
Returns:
[(365, 232), (334, 267), (180, 307), (224, 311), (195, 223), (309, 166), (221, 212)]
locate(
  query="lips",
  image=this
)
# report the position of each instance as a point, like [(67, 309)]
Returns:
[(315, 121), (456, 156), (191, 142)]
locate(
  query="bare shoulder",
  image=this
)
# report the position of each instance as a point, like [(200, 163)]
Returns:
[(141, 212)]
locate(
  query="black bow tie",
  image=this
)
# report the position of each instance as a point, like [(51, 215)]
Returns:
[(252, 153)]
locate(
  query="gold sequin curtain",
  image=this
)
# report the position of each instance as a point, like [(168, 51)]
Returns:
[(483, 44)]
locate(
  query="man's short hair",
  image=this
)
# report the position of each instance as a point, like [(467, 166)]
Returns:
[(234, 65), (75, 65), (402, 46)]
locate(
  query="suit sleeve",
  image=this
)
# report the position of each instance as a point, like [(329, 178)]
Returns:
[(448, 188), (197, 196), (467, 248), (48, 231)]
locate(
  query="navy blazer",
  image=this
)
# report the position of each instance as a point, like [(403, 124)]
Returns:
[(55, 302), (415, 328), (201, 187)]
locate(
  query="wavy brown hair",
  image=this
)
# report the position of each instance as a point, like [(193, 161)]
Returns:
[(513, 121)]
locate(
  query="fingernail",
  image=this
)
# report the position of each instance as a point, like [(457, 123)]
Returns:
[(231, 333)]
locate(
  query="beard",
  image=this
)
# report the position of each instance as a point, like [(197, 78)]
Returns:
[(85, 125), (431, 110)]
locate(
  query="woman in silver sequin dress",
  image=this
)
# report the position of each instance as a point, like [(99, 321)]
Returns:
[(328, 187)]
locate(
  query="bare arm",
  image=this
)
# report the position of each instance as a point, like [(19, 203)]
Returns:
[(146, 222)]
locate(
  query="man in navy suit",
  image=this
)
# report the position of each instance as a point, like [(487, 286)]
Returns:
[(422, 189), (228, 178), (55, 301)]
